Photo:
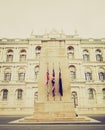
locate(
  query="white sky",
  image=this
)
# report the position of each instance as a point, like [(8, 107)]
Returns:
[(19, 17)]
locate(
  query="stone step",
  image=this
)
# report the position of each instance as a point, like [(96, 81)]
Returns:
[(54, 120), (54, 116)]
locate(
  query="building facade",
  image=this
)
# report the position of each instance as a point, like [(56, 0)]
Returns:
[(20, 66)]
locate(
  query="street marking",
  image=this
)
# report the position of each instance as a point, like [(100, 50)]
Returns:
[(55, 125)]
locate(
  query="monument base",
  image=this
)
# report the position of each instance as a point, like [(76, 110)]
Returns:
[(54, 111)]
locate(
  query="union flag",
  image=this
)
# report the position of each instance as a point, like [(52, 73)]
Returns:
[(53, 83)]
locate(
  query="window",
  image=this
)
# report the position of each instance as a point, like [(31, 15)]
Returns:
[(70, 52), (101, 73), (21, 74), (91, 93), (9, 55), (75, 98), (85, 55), (98, 55), (72, 72), (88, 76), (5, 94), (101, 76), (72, 75), (36, 71), (9, 58), (103, 93), (19, 94), (7, 77), (7, 74), (23, 55), (38, 49)]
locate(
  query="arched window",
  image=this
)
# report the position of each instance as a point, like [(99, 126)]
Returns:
[(98, 55), (85, 55), (21, 74), (10, 55), (91, 93), (103, 91), (7, 74), (19, 94), (75, 98), (23, 55), (38, 50), (4, 94), (88, 74), (70, 52), (72, 72), (36, 71), (101, 74)]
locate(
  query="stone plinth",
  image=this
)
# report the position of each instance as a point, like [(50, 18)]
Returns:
[(53, 111)]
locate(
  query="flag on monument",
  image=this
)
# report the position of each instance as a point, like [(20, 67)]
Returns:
[(47, 82), (47, 77), (60, 83), (53, 83)]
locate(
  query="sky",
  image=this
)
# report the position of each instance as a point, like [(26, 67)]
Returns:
[(18, 18)]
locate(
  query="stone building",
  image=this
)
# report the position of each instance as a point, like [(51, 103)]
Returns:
[(20, 66)]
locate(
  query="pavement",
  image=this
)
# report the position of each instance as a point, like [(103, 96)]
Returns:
[(30, 119), (6, 125)]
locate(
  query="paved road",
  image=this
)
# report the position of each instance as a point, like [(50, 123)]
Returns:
[(4, 125), (6, 119), (52, 127), (98, 117)]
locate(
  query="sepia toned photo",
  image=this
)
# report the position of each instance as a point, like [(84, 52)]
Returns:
[(52, 64)]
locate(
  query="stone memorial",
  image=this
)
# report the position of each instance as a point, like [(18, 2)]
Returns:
[(54, 103)]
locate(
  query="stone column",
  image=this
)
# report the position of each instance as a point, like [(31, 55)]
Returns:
[(79, 72), (96, 76), (1, 55), (82, 72), (2, 74), (99, 98), (93, 73), (16, 55), (82, 93), (4, 56), (31, 52), (92, 54), (14, 74), (30, 72), (77, 52), (103, 54)]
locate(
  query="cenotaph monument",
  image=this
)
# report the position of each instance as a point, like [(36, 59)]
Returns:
[(54, 92)]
